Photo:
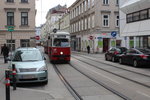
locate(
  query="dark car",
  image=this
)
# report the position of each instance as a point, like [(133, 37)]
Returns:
[(135, 57), (113, 53)]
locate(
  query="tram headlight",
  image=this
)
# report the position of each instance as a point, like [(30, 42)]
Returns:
[(61, 53)]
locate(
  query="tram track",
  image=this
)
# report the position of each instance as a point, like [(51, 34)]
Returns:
[(116, 66), (76, 95), (66, 83), (145, 85)]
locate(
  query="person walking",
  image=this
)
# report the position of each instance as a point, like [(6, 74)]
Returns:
[(88, 49), (5, 52)]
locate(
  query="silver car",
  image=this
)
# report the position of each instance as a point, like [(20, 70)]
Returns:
[(30, 65)]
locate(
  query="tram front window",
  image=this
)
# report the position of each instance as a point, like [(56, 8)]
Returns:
[(61, 42)]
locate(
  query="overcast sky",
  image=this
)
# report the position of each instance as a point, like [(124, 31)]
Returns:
[(43, 6)]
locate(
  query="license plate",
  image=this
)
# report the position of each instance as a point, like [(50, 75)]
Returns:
[(28, 76)]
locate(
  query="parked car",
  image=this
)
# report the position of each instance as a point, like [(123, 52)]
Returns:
[(113, 53), (30, 65), (135, 57)]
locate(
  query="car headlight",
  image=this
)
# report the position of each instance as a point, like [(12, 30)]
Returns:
[(44, 68)]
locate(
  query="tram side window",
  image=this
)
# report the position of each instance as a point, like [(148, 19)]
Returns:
[(61, 42)]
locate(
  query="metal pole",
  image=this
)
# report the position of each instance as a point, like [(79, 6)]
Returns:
[(14, 76), (7, 84)]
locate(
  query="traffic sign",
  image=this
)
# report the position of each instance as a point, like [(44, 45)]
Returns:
[(37, 38), (113, 34), (91, 37), (54, 30), (10, 28)]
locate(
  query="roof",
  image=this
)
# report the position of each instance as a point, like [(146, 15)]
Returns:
[(135, 5)]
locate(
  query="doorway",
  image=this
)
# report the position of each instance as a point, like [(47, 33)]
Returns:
[(105, 44)]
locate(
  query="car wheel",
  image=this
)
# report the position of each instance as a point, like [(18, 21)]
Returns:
[(113, 59), (135, 63), (120, 60)]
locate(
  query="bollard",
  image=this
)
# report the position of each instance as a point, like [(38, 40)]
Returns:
[(7, 84), (14, 76)]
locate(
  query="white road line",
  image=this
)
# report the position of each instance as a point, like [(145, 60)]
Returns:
[(102, 75), (143, 94)]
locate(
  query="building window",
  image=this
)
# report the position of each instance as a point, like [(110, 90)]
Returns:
[(10, 18), (93, 2), (82, 7), (106, 20), (105, 2), (24, 42), (129, 18), (24, 18), (79, 25), (24, 1), (93, 21), (82, 26), (79, 9), (117, 2), (89, 23), (11, 43), (143, 14), (136, 16), (10, 0), (117, 21), (85, 5), (89, 3), (85, 23)]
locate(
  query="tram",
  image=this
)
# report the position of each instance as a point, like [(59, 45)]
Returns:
[(59, 47)]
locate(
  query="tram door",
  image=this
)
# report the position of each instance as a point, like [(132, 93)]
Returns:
[(105, 44)]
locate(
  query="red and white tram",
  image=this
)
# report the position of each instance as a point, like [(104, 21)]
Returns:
[(59, 47)]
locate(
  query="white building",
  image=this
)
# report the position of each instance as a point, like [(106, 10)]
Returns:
[(135, 21)]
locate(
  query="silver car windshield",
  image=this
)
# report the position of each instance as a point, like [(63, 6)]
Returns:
[(27, 55)]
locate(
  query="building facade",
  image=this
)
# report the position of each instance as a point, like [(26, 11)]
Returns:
[(20, 15), (135, 21), (94, 23), (53, 17)]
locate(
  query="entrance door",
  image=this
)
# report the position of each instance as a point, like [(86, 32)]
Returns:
[(105, 44)]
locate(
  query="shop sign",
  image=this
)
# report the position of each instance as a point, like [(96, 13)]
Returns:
[(99, 38)]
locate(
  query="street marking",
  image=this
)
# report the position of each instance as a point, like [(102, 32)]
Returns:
[(143, 94), (102, 75)]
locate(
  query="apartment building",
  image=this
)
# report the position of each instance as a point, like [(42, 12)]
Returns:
[(53, 15), (94, 23), (135, 21), (19, 14)]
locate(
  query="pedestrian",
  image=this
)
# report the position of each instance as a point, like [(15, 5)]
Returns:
[(88, 49), (5, 52)]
